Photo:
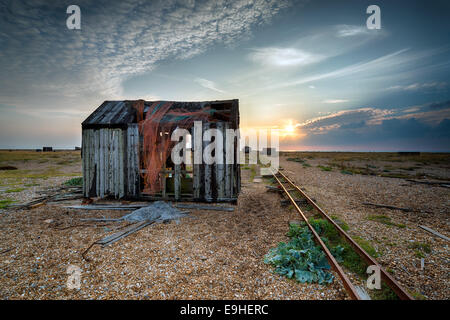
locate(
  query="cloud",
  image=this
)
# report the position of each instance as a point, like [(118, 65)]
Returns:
[(439, 105), (394, 63), (417, 86), (283, 57), (117, 40), (208, 84), (345, 30), (335, 101), (409, 128)]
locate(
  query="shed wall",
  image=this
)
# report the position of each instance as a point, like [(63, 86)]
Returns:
[(110, 160)]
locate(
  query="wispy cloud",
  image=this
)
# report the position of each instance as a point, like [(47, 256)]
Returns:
[(346, 30), (418, 86), (335, 101), (117, 40), (208, 84), (283, 57)]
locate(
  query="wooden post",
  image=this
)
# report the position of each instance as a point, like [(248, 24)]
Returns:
[(208, 169), (220, 160), (177, 182)]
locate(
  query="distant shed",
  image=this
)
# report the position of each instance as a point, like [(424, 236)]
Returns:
[(114, 155)]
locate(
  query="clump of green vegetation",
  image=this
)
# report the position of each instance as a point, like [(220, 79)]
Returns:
[(74, 182), (246, 168), (14, 190), (306, 165), (385, 293), (395, 175), (367, 246), (418, 295), (340, 249), (5, 202), (420, 248), (385, 220), (324, 168), (252, 171), (346, 172), (341, 223), (346, 256), (31, 184), (300, 259), (295, 159)]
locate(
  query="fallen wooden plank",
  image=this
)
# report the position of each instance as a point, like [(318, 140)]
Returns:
[(387, 207), (119, 235), (435, 233), (202, 207), (101, 219), (444, 184), (126, 232), (108, 207)]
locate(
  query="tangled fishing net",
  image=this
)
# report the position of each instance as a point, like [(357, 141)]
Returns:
[(156, 121)]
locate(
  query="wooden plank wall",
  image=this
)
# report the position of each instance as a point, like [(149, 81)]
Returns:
[(218, 182), (132, 163), (111, 166), (105, 162)]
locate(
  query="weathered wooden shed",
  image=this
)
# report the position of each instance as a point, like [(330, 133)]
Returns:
[(113, 153)]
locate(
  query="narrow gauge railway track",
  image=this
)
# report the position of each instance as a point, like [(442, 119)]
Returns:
[(288, 186)]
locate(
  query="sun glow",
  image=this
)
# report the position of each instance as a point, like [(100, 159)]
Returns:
[(290, 129)]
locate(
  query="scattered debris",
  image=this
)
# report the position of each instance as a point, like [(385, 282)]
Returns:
[(444, 184), (362, 293), (203, 207), (157, 210), (107, 207), (286, 202), (435, 233), (7, 250), (387, 207), (274, 189), (119, 235), (8, 168), (60, 194)]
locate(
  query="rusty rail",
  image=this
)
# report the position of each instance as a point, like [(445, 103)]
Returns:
[(386, 277), (336, 267)]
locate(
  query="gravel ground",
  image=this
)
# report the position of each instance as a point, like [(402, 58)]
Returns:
[(207, 255), (219, 255), (343, 195)]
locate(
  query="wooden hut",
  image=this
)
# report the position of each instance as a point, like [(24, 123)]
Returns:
[(112, 152)]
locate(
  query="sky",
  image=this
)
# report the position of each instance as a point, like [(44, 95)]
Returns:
[(311, 69)]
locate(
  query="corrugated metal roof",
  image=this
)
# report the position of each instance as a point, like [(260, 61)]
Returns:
[(111, 114), (116, 114)]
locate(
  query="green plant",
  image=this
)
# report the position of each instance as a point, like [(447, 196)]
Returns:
[(385, 220), (341, 223), (419, 248), (300, 259), (14, 190), (74, 182), (323, 168), (5, 202)]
